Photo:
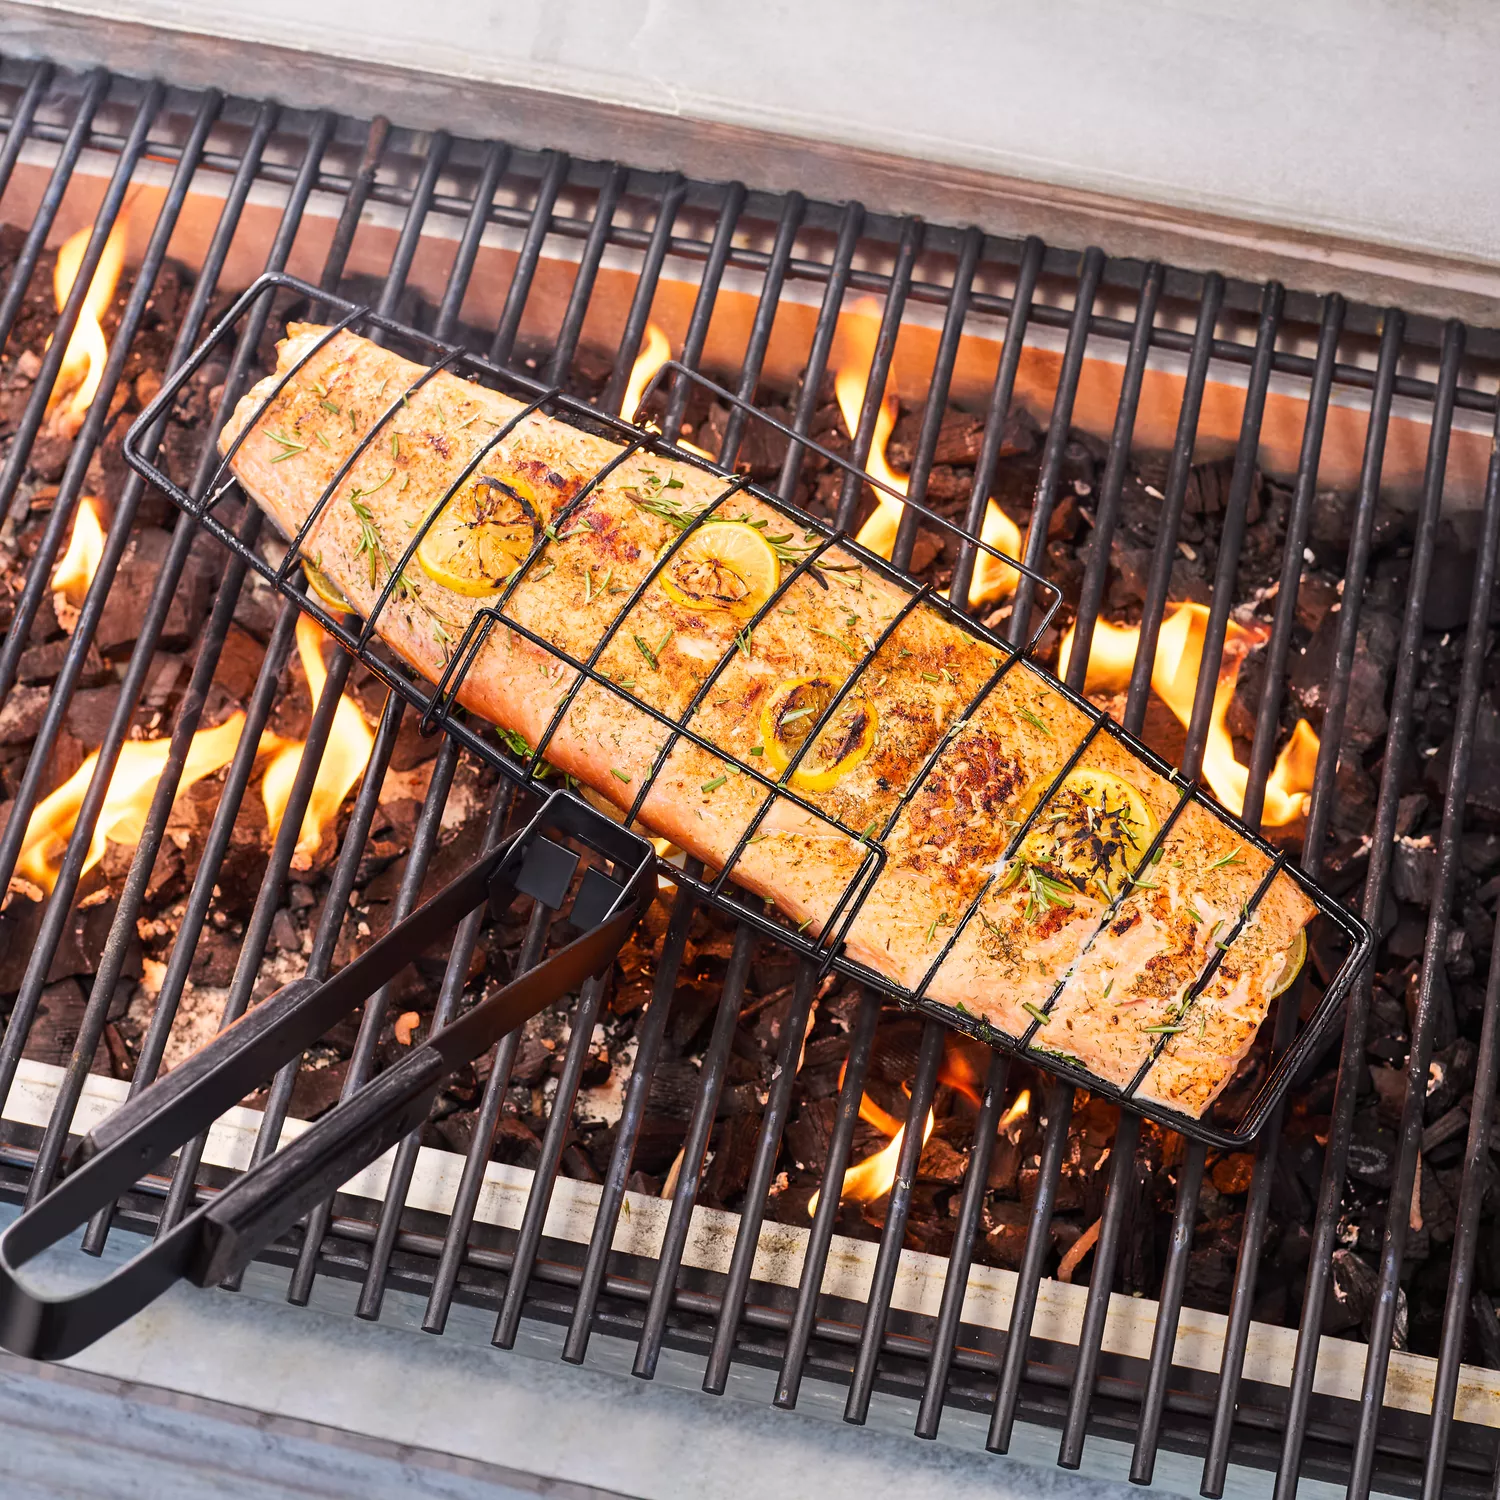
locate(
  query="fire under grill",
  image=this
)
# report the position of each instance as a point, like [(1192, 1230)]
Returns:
[(1169, 450)]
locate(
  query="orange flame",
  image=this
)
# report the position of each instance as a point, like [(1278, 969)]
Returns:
[(75, 569), (141, 763), (126, 803), (1015, 1112), (1174, 676), (655, 352), (873, 1177), (347, 754), (83, 362), (992, 579)]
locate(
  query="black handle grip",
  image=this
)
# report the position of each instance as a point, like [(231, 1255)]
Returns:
[(266, 1202)]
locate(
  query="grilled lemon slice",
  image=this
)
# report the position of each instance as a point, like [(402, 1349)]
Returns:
[(1296, 956), (326, 589), (1091, 832), (788, 717), (480, 537), (723, 565)]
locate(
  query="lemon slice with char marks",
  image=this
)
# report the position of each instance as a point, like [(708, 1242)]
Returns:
[(1091, 833), (788, 717), (723, 565), (480, 537)]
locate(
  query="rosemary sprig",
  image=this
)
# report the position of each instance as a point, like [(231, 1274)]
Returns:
[(1232, 858), (289, 447), (677, 514), (1035, 1011), (647, 652), (838, 641), (1035, 722)]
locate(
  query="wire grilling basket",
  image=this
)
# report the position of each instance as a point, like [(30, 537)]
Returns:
[(1339, 941)]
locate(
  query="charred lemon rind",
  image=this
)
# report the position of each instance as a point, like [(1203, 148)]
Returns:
[(326, 589), (1291, 966), (1091, 831), (726, 567), (480, 537), (789, 715)]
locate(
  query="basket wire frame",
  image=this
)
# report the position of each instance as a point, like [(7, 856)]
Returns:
[(440, 708)]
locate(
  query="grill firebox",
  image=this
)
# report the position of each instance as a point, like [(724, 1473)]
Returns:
[(482, 241)]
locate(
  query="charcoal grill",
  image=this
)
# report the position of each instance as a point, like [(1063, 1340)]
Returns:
[(1139, 311)]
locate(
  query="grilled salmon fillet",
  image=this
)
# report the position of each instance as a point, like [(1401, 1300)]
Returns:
[(1009, 940)]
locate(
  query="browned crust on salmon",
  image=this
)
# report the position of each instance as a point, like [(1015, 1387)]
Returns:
[(948, 840)]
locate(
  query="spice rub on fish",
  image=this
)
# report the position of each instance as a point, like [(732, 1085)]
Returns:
[(991, 932)]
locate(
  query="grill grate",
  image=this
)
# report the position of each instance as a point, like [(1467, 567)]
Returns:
[(607, 210)]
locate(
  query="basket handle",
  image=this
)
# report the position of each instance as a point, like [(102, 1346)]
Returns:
[(224, 1234)]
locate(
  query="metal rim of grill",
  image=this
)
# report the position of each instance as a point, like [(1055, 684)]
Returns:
[(125, 120)]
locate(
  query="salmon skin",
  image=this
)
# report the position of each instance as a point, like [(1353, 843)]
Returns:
[(1105, 973)]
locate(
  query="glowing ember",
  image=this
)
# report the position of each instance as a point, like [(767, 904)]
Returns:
[(348, 752), (83, 363), (126, 803), (872, 1178), (655, 352), (1016, 1111), (75, 569), (1174, 676), (992, 578)]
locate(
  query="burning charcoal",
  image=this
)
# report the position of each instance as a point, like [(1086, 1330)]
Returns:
[(55, 1031), (1005, 1239), (43, 663), (1409, 936), (734, 1151), (1376, 643), (1444, 1018), (1232, 1174), (320, 1081), (533, 1061), (1210, 1277), (1480, 852), (21, 715), (1413, 869), (1450, 1076), (1354, 1288), (941, 1163), (142, 561), (1316, 595), (1484, 768), (1390, 1094), (1410, 811), (90, 712), (1372, 1151), (808, 1135), (1458, 954), (1450, 587)]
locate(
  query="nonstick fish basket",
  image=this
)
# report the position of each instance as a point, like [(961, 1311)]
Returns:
[(1339, 943)]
